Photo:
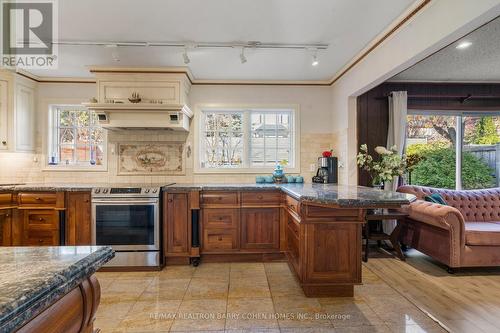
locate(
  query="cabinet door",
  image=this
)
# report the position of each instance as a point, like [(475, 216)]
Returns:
[(4, 98), (78, 218), (25, 118), (293, 243), (40, 227), (5, 227), (176, 223), (260, 228)]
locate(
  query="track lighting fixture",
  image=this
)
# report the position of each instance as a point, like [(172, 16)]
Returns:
[(186, 57), (243, 59)]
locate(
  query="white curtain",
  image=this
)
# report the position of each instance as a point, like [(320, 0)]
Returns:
[(396, 136)]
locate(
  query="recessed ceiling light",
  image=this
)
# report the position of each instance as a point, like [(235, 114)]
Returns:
[(463, 45)]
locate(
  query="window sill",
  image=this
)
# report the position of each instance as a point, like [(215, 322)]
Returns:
[(76, 168), (248, 171)]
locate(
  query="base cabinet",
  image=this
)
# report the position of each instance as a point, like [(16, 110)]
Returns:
[(6, 227), (176, 218), (78, 218), (40, 227), (260, 228), (220, 229)]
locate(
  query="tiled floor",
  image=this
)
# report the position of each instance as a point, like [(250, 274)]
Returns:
[(247, 297)]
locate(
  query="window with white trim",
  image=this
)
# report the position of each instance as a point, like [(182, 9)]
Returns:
[(247, 138), (75, 137)]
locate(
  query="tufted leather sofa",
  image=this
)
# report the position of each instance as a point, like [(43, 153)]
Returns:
[(464, 234)]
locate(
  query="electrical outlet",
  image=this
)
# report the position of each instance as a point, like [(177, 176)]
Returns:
[(312, 167)]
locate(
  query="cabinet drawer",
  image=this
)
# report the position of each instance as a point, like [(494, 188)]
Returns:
[(41, 238), (37, 199), (219, 198), (41, 219), (220, 239), (220, 218), (292, 204), (264, 198), (5, 199)]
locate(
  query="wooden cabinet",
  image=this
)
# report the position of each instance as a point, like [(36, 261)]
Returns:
[(177, 224), (293, 242), (25, 117), (260, 228), (40, 227), (78, 218), (220, 229), (261, 198), (4, 114), (6, 227)]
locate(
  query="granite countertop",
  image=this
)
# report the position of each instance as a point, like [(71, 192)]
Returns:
[(32, 278), (342, 195)]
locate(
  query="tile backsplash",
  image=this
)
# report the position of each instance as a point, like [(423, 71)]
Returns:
[(29, 167)]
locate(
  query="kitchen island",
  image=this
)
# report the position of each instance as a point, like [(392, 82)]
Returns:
[(315, 227), (50, 289)]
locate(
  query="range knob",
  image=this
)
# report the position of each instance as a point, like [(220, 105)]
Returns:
[(105, 190), (155, 190), (97, 190), (146, 190)]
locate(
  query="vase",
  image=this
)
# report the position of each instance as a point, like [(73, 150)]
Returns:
[(388, 186)]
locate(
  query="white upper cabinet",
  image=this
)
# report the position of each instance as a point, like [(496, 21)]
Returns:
[(4, 118), (17, 112), (25, 117)]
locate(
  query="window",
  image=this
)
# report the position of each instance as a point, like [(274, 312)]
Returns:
[(454, 150), (250, 139), (76, 139)]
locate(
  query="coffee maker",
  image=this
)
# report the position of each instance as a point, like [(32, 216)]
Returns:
[(327, 170)]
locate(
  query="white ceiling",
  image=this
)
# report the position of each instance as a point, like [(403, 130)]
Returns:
[(346, 25), (478, 63)]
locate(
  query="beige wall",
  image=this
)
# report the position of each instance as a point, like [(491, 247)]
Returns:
[(315, 118), (437, 25)]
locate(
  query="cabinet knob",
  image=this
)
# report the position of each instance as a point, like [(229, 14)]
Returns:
[(220, 238), (7, 215), (220, 218), (4, 143), (40, 241), (170, 200), (40, 219), (220, 198), (86, 200), (260, 197), (38, 198)]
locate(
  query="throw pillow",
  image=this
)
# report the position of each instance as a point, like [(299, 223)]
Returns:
[(436, 198)]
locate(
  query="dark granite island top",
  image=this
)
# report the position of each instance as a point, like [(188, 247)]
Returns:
[(33, 278), (333, 194)]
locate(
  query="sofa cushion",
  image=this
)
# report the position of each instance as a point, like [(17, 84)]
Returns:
[(482, 233)]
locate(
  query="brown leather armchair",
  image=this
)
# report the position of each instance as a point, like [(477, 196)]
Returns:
[(464, 234)]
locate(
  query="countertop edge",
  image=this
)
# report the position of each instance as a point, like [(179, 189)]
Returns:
[(64, 282)]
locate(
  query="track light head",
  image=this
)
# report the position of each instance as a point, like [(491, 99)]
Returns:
[(315, 61), (243, 59), (185, 57)]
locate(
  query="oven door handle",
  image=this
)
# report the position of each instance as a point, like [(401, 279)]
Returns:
[(125, 202)]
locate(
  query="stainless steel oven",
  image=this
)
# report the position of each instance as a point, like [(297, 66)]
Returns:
[(128, 220)]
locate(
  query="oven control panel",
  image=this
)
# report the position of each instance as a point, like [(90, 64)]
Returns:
[(125, 191)]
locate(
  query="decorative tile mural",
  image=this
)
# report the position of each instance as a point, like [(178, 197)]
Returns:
[(151, 158)]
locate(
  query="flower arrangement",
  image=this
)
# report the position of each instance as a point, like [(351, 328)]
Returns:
[(386, 168)]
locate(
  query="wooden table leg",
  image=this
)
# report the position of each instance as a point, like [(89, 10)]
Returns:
[(394, 237)]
